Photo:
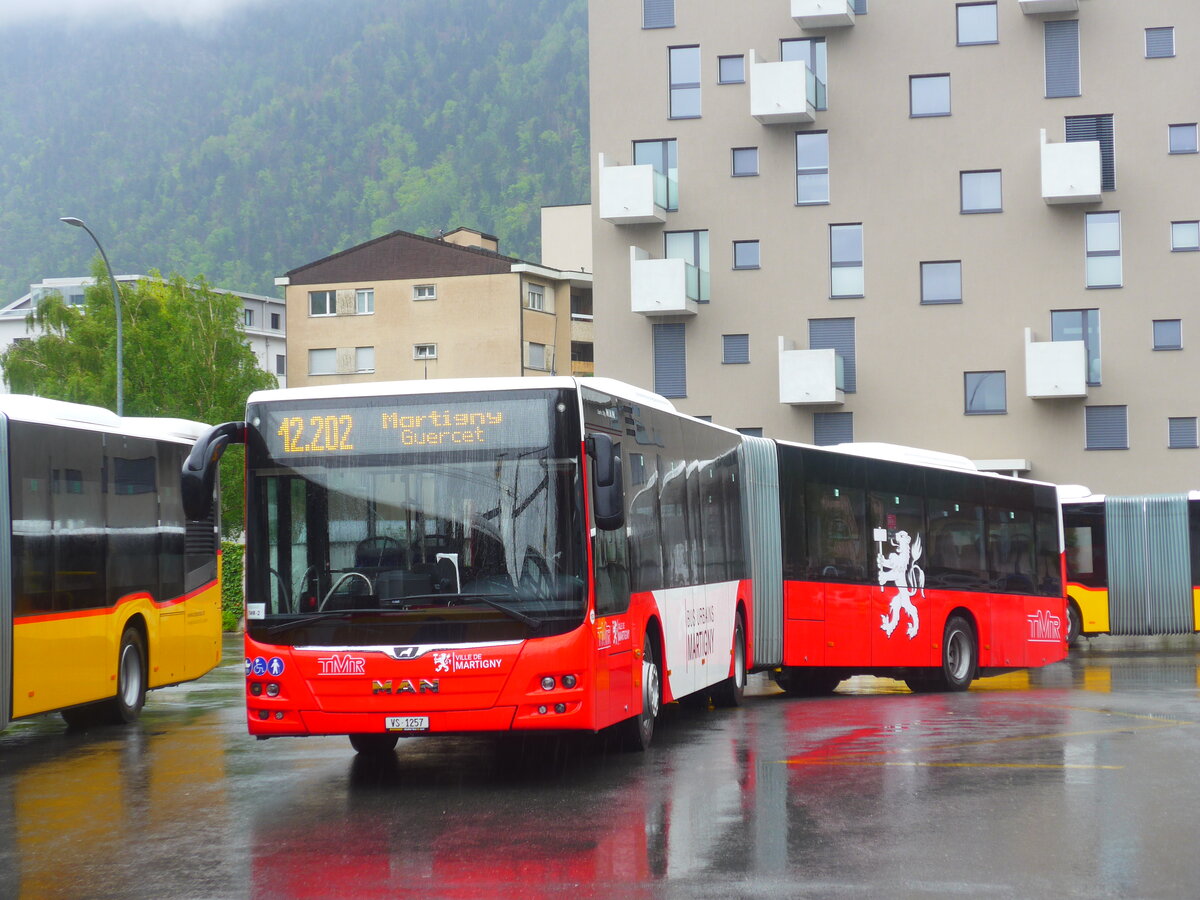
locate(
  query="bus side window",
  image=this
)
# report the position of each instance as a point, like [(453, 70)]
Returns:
[(612, 572)]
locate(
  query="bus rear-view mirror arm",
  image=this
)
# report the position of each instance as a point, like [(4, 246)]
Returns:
[(199, 473), (608, 488)]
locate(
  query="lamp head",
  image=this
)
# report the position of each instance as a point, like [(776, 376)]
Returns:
[(71, 220)]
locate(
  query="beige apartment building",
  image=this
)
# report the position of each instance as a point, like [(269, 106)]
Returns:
[(965, 226), (403, 306)]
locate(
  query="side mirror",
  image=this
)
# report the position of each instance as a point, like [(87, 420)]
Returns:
[(199, 474), (608, 488)]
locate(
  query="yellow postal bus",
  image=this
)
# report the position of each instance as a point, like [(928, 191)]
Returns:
[(106, 590)]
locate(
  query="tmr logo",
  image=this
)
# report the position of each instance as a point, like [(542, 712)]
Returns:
[(1044, 627), (405, 686), (342, 665)]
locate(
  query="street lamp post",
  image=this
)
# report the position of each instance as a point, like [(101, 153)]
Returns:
[(78, 223)]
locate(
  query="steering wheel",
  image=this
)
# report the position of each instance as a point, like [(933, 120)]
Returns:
[(377, 547)]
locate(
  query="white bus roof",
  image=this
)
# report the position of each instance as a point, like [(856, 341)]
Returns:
[(25, 408), (460, 385)]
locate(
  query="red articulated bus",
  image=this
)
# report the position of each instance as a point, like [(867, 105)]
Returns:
[(492, 555)]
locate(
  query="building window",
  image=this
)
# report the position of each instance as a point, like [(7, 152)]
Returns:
[(928, 95), (735, 349), (1181, 433), (684, 64), (1080, 325), (837, 335), (424, 291), (692, 248), (658, 13), (1096, 128), (364, 359), (1160, 42), (663, 157), (581, 305), (1106, 428), (751, 431), (1185, 236), (980, 191), (364, 301), (977, 23), (846, 278), (1182, 138), (670, 360), (280, 364), (984, 394), (424, 351), (322, 303), (745, 255), (745, 161), (1062, 58), (535, 297), (276, 321), (813, 52), (1103, 250), (322, 362), (731, 69), (1168, 334), (248, 317), (833, 428), (812, 167), (535, 356), (941, 282)]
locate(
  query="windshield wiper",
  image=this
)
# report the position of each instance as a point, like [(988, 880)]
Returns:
[(511, 612), (312, 617)]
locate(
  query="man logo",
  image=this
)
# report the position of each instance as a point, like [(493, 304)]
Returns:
[(406, 652)]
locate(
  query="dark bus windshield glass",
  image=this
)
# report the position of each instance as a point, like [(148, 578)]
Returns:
[(415, 519)]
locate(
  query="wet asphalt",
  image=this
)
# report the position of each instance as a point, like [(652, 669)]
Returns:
[(1077, 780)]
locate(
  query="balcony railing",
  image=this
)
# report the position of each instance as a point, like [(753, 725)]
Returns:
[(1054, 369), (664, 287), (784, 92), (1042, 7), (810, 377), (632, 195), (1071, 171), (823, 13)]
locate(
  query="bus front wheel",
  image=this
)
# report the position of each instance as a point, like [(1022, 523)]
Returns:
[(1074, 622), (638, 732), (732, 690), (127, 705)]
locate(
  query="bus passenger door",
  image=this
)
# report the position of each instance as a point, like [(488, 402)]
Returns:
[(615, 659)]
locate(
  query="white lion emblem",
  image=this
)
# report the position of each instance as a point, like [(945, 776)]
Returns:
[(900, 568)]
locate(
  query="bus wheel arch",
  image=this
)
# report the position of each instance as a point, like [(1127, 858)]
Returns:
[(960, 651)]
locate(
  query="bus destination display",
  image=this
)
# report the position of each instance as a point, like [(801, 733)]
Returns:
[(292, 431)]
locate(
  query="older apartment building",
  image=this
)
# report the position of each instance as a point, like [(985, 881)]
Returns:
[(403, 306), (966, 226)]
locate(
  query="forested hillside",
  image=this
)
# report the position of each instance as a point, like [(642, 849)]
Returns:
[(285, 131)]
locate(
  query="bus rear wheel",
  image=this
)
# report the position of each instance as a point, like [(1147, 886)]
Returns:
[(1074, 622), (638, 732), (960, 659), (805, 681), (732, 690)]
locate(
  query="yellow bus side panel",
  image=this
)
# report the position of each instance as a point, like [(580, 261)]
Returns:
[(1093, 607)]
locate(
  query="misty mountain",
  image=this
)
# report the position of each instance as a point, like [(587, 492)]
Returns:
[(285, 130)]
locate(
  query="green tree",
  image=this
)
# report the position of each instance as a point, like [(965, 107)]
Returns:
[(184, 357)]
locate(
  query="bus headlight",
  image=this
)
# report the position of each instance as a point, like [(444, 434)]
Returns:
[(547, 683)]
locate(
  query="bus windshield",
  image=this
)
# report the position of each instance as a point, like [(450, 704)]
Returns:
[(414, 520)]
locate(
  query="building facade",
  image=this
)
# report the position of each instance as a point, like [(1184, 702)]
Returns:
[(264, 319), (965, 226), (404, 306)]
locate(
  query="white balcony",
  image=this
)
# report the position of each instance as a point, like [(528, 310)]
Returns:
[(632, 195), (1070, 171), (1054, 369), (662, 287), (784, 92), (1042, 7), (810, 377), (823, 13)]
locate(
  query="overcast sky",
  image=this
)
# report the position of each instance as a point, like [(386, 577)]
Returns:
[(81, 10)]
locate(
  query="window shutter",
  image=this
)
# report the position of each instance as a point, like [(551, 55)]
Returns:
[(670, 361), (1062, 58), (1181, 432), (1160, 42), (658, 13), (836, 334), (1106, 428), (833, 428), (1097, 128), (736, 348), (860, 7)]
